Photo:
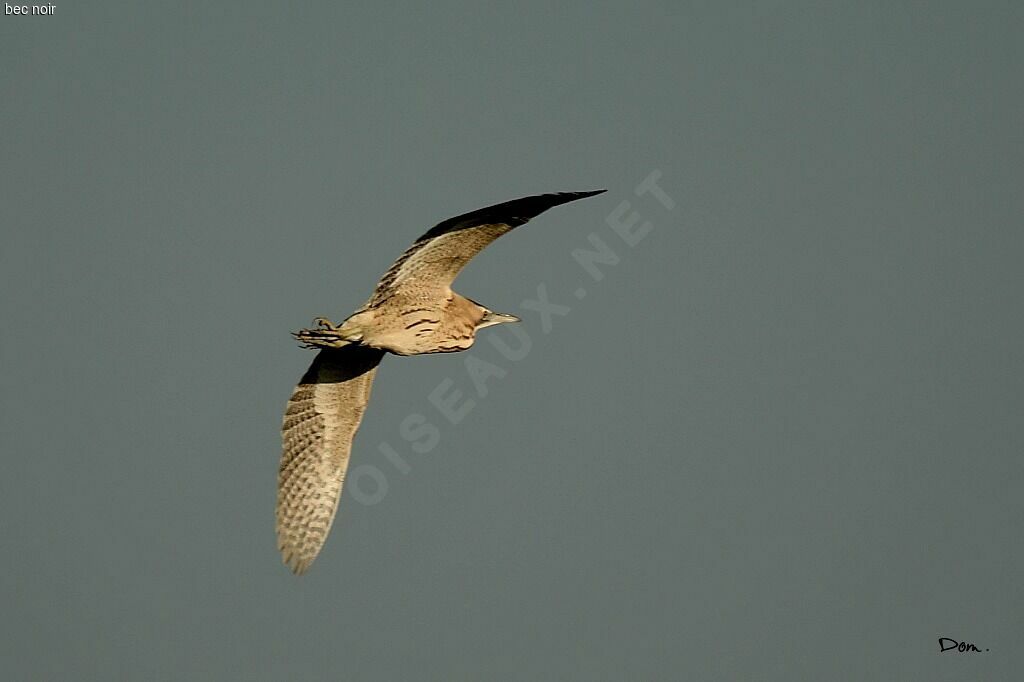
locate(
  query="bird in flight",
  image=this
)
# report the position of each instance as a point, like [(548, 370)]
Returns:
[(412, 311)]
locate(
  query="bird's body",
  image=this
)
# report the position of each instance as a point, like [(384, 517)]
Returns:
[(412, 311), (407, 326)]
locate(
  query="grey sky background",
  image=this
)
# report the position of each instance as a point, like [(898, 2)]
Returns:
[(780, 439)]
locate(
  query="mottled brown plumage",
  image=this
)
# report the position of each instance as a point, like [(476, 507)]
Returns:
[(322, 417), (412, 311)]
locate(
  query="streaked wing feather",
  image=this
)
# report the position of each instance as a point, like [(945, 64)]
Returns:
[(434, 260), (320, 422)]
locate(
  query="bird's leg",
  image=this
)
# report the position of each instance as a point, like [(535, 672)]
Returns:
[(324, 323), (326, 335)]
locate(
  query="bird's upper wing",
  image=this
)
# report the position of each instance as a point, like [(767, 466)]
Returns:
[(434, 260), (321, 419)]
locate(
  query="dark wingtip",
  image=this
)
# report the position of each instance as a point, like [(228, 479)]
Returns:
[(565, 197), (513, 213), (583, 195)]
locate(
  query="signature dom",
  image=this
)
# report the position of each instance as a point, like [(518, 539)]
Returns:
[(950, 644)]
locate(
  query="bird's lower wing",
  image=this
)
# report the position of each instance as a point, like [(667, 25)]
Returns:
[(321, 419)]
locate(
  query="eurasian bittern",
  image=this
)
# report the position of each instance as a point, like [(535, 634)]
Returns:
[(412, 311)]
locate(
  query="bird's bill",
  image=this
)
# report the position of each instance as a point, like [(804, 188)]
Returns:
[(492, 318)]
